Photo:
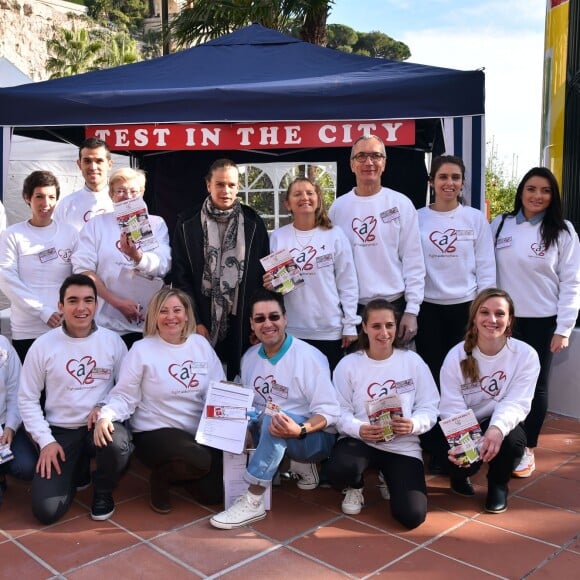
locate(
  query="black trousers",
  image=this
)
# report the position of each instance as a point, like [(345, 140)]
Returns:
[(52, 497), (174, 455), (403, 475), (502, 465), (538, 333), (331, 349)]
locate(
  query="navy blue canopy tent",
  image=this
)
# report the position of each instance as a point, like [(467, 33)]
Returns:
[(255, 75)]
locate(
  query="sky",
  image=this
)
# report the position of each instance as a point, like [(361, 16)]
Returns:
[(505, 37)]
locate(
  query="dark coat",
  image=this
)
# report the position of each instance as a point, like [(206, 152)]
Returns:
[(187, 270)]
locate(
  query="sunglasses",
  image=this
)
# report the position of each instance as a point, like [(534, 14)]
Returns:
[(272, 317)]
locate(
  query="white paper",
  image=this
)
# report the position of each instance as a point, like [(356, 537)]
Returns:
[(234, 484), (225, 434), (133, 219)]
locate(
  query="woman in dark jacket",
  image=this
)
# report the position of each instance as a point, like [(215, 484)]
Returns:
[(216, 260)]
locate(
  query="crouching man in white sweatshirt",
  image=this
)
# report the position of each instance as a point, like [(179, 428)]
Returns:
[(301, 411), (76, 365)]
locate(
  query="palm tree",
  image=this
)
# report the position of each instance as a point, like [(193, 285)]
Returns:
[(119, 49), (72, 52), (203, 20)]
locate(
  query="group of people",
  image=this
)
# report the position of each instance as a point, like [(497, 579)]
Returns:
[(378, 275)]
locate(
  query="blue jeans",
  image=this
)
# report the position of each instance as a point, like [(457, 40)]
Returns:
[(270, 451), (23, 465)]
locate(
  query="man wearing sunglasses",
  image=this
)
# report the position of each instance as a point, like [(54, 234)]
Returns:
[(382, 227), (299, 402)]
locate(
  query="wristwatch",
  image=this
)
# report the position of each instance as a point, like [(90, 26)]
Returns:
[(303, 432)]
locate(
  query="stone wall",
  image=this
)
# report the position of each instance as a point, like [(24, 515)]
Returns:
[(25, 28)]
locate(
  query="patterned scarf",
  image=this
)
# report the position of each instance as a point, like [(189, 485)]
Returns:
[(224, 263)]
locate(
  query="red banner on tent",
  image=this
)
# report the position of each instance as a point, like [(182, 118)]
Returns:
[(276, 135)]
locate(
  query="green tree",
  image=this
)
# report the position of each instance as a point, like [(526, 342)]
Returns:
[(119, 49), (500, 190), (380, 45), (120, 14), (341, 37), (203, 20), (72, 52)]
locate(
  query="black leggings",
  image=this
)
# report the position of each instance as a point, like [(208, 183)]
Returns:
[(403, 475), (176, 453), (538, 333), (502, 465)]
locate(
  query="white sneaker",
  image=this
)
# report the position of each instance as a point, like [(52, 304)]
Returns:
[(527, 464), (307, 474), (384, 490), (353, 501), (247, 509)]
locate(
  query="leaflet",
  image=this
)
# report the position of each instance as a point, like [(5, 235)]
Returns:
[(286, 275), (133, 219), (381, 412), (463, 434), (218, 430)]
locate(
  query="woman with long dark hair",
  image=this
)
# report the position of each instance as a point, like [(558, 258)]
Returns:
[(538, 263), (381, 368)]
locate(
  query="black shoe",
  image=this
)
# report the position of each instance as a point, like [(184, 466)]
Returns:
[(159, 501), (462, 486), (438, 467), (496, 500), (103, 506)]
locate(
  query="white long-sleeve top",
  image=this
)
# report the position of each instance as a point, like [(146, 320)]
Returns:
[(164, 385), (9, 376), (359, 379), (458, 251), (77, 373), (504, 392), (3, 222), (34, 261), (324, 307), (97, 251), (383, 232), (297, 379), (541, 283), (82, 206)]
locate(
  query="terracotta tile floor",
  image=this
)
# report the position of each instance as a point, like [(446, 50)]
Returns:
[(307, 536)]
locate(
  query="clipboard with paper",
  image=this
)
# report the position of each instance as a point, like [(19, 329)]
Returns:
[(225, 429)]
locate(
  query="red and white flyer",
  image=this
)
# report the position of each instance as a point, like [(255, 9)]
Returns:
[(463, 434), (381, 412)]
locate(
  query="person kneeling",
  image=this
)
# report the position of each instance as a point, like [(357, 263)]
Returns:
[(494, 375), (304, 400), (380, 368)]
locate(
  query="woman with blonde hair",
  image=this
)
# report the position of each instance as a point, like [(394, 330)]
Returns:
[(322, 311), (494, 375), (161, 390), (120, 267)]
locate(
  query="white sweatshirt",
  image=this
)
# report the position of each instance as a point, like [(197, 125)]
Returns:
[(458, 251), (324, 308), (81, 206), (9, 376), (541, 283), (77, 373), (383, 231), (164, 385), (34, 262), (97, 251), (359, 379), (504, 392), (299, 381)]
